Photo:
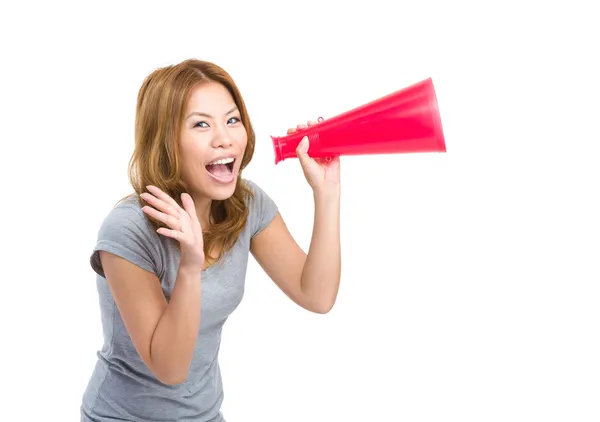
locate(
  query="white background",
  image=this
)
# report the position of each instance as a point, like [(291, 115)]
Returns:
[(470, 279)]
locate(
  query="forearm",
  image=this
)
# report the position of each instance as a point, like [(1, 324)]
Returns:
[(175, 336), (321, 274)]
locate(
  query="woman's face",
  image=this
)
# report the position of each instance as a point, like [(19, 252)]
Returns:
[(212, 142)]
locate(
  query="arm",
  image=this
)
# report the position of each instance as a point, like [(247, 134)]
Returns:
[(310, 281), (163, 334)]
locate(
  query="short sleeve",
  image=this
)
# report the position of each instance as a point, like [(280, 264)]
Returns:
[(127, 233), (262, 209)]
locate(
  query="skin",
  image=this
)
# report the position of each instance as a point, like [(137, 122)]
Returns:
[(165, 334)]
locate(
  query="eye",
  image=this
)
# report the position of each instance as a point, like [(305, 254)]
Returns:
[(201, 124), (233, 120)]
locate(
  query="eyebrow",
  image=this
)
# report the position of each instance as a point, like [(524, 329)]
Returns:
[(199, 113)]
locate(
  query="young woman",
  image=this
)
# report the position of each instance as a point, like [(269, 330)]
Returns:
[(171, 258)]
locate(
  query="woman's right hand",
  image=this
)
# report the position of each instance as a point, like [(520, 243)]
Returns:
[(183, 223)]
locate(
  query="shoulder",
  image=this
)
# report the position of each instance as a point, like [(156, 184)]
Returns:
[(127, 232), (127, 215), (261, 207), (255, 190)]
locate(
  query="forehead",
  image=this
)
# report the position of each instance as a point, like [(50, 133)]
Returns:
[(211, 98)]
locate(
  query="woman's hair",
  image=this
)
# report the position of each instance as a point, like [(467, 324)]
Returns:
[(161, 104)]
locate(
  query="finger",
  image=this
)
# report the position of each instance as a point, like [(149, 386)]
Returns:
[(291, 130), (312, 122), (159, 204), (169, 220), (163, 196), (190, 207), (301, 126), (302, 152), (173, 234)]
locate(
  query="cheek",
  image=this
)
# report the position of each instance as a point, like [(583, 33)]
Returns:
[(241, 138), (191, 153), (193, 147)]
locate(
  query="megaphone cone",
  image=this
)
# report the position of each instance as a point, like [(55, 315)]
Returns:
[(405, 121)]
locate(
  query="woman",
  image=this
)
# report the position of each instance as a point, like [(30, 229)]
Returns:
[(171, 259)]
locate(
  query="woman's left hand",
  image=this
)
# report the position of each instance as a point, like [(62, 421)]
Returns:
[(322, 174)]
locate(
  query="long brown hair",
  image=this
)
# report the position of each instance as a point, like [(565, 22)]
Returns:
[(160, 109)]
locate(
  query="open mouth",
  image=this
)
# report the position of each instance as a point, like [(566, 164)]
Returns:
[(221, 169)]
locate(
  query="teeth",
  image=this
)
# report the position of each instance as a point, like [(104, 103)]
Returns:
[(222, 161)]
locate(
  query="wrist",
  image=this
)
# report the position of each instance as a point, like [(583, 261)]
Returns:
[(327, 194)]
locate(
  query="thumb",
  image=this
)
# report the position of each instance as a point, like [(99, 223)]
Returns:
[(302, 151)]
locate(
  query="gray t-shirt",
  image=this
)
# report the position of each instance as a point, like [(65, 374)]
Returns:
[(122, 388)]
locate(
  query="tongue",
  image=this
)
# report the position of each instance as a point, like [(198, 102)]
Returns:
[(219, 170)]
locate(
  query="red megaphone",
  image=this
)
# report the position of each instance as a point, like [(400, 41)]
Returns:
[(404, 121)]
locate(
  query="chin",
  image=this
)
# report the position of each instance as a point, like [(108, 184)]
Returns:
[(221, 193)]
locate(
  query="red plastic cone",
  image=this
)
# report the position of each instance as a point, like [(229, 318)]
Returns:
[(402, 122)]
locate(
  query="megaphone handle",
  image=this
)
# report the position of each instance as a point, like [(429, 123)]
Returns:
[(319, 120)]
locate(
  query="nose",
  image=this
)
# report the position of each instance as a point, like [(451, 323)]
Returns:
[(222, 139)]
